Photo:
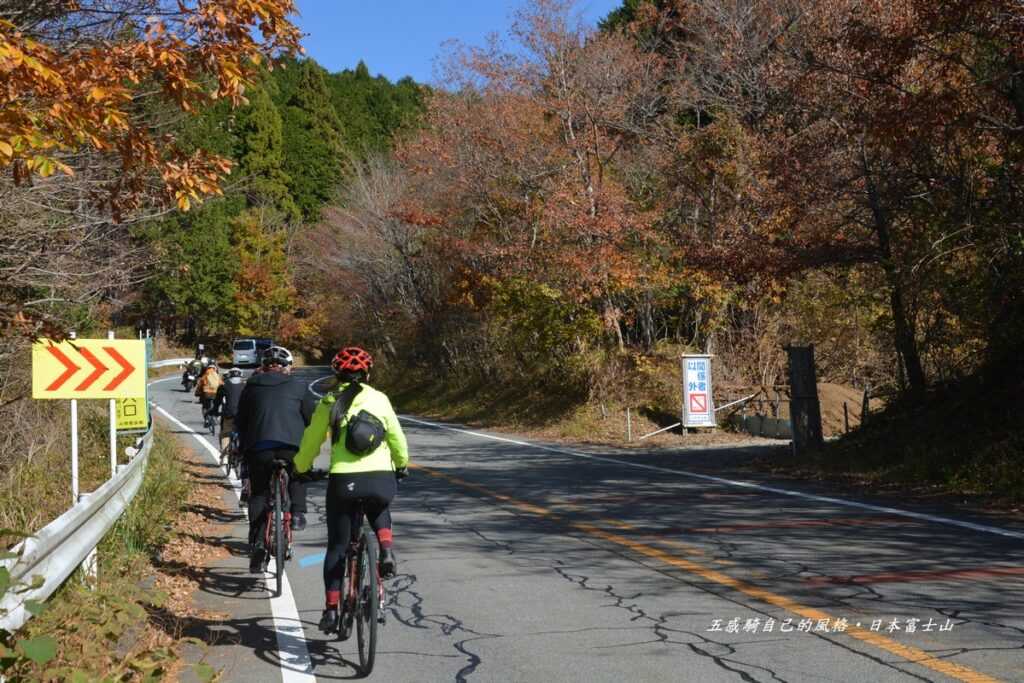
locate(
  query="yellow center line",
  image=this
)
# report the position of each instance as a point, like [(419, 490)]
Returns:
[(909, 653)]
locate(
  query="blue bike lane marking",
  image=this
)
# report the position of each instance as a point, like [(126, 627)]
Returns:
[(310, 560)]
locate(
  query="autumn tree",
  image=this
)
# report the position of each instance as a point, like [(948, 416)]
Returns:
[(86, 134), (262, 287)]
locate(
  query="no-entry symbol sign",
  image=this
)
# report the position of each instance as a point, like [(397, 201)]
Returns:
[(698, 403)]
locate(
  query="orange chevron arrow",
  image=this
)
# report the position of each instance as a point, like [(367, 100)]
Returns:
[(98, 369), (126, 368), (69, 368)]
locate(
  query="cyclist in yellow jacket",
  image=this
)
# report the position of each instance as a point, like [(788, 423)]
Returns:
[(368, 455)]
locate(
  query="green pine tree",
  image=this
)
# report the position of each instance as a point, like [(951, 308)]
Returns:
[(312, 141), (261, 157)]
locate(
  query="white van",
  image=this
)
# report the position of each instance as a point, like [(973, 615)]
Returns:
[(244, 352), (249, 350)]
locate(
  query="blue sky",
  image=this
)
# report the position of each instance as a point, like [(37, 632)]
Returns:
[(402, 37)]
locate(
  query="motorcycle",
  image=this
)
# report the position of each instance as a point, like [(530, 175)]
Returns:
[(190, 376)]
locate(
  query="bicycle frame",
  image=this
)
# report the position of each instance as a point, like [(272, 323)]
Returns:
[(364, 610), (275, 515)]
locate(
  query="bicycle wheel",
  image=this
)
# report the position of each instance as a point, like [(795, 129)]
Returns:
[(369, 604), (279, 548)]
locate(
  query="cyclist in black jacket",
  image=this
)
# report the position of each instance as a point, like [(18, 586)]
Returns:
[(228, 396), (273, 412)]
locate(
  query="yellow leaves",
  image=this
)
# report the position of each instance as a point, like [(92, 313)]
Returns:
[(6, 150), (97, 94)]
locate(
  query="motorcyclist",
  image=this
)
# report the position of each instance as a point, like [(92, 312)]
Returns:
[(193, 370)]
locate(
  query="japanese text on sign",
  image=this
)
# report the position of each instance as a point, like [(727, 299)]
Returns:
[(132, 413), (698, 404)]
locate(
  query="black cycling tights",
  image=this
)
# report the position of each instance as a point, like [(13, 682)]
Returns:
[(376, 490)]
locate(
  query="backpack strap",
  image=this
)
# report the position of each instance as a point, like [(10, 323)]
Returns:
[(340, 408)]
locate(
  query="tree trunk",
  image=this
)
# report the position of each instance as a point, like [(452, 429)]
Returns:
[(903, 325)]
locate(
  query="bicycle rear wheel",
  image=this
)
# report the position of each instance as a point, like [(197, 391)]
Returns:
[(279, 549), (369, 604)]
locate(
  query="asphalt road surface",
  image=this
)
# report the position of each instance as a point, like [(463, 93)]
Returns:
[(537, 562)]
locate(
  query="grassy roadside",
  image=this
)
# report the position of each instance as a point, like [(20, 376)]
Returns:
[(963, 446), (105, 629), (37, 486), (540, 411)]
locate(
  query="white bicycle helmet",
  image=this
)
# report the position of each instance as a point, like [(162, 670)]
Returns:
[(277, 355)]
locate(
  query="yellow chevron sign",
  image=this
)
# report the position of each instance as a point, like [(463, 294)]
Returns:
[(89, 368)]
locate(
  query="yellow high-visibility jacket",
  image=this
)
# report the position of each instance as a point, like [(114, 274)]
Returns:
[(390, 455)]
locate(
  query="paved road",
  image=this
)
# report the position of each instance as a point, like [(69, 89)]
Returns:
[(520, 563)]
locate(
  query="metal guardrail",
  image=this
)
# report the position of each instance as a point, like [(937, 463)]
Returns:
[(169, 362), (56, 550)]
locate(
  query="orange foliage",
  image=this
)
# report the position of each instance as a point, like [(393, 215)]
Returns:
[(56, 100)]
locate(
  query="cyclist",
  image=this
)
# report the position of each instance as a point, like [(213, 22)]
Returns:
[(273, 411), (370, 478), (207, 387), (227, 399)]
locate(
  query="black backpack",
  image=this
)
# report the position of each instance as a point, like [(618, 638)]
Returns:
[(364, 431)]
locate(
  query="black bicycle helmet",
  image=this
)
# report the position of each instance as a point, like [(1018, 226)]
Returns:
[(277, 355)]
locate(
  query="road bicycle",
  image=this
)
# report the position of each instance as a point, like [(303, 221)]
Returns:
[(209, 415), (210, 423), (362, 594), (277, 534)]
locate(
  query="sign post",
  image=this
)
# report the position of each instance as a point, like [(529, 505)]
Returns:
[(113, 428), (698, 402), (91, 369), (74, 451)]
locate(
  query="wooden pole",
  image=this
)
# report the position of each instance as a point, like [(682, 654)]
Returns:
[(804, 408)]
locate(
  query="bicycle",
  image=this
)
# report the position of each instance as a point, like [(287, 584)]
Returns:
[(363, 589), (363, 594), (209, 415), (277, 533), (231, 455), (210, 422)]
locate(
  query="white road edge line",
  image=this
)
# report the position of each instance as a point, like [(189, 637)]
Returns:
[(292, 650), (734, 482)]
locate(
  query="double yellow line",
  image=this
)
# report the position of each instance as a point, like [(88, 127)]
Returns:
[(910, 654)]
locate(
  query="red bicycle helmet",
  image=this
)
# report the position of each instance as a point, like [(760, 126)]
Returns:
[(352, 359)]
